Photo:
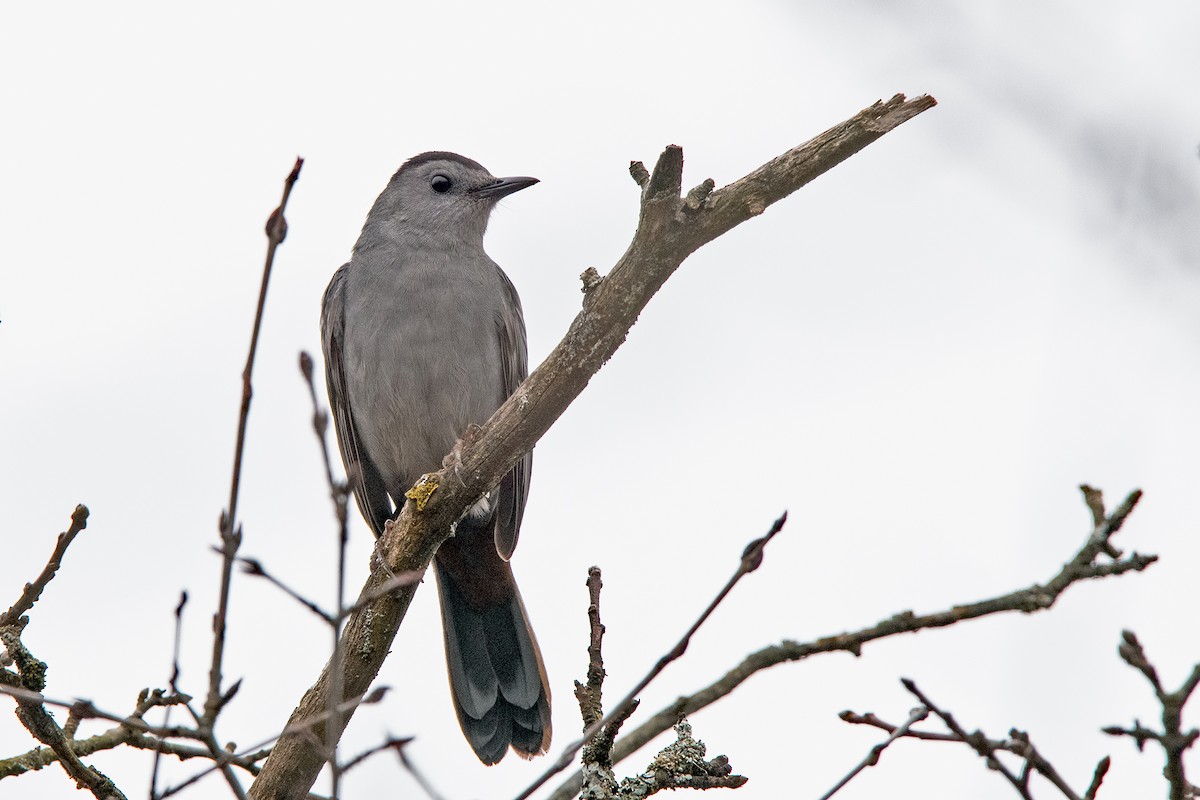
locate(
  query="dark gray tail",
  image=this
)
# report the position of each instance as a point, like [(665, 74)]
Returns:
[(497, 678)]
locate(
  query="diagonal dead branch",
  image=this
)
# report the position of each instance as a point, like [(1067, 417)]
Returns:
[(666, 235)]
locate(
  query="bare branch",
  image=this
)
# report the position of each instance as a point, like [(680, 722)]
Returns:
[(34, 590), (666, 235), (1097, 778), (37, 720), (751, 559), (174, 684), (231, 533), (417, 775), (1037, 597), (977, 740), (916, 715), (1018, 743), (254, 567), (1173, 739), (681, 765)]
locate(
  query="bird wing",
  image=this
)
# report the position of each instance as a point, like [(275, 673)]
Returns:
[(514, 368), (364, 476)]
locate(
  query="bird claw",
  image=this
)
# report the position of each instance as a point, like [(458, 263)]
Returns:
[(453, 460)]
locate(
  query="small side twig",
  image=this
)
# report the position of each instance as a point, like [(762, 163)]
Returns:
[(980, 743), (33, 591), (397, 745), (173, 683), (1173, 739), (1018, 743), (339, 493), (872, 758), (231, 533), (417, 775)]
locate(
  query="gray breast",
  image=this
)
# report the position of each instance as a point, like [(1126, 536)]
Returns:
[(422, 358)]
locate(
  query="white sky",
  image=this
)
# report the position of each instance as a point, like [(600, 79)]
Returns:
[(920, 355)]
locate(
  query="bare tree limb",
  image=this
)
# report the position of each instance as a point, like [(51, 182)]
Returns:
[(669, 229), (1038, 597)]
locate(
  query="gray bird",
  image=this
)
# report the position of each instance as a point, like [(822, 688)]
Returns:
[(423, 335)]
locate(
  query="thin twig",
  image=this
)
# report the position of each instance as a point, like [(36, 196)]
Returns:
[(978, 742), (158, 751), (1097, 778), (1173, 739), (230, 531), (417, 775), (752, 557), (339, 493), (254, 567), (34, 590), (1018, 743), (872, 758)]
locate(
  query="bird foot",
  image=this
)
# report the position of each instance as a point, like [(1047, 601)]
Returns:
[(453, 459)]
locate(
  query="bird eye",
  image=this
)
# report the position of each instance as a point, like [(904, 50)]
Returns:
[(440, 183)]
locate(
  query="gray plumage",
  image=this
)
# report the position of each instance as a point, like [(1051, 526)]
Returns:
[(423, 335)]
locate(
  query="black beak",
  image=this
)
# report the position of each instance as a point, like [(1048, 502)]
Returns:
[(502, 187)]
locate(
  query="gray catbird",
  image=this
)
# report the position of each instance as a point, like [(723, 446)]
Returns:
[(423, 336)]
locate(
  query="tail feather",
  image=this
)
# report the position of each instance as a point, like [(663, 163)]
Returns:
[(497, 678)]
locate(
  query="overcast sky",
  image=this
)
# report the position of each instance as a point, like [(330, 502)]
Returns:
[(920, 356)]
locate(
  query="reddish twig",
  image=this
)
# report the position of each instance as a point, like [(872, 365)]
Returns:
[(231, 534)]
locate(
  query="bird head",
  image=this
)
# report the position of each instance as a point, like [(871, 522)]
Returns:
[(439, 199)]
